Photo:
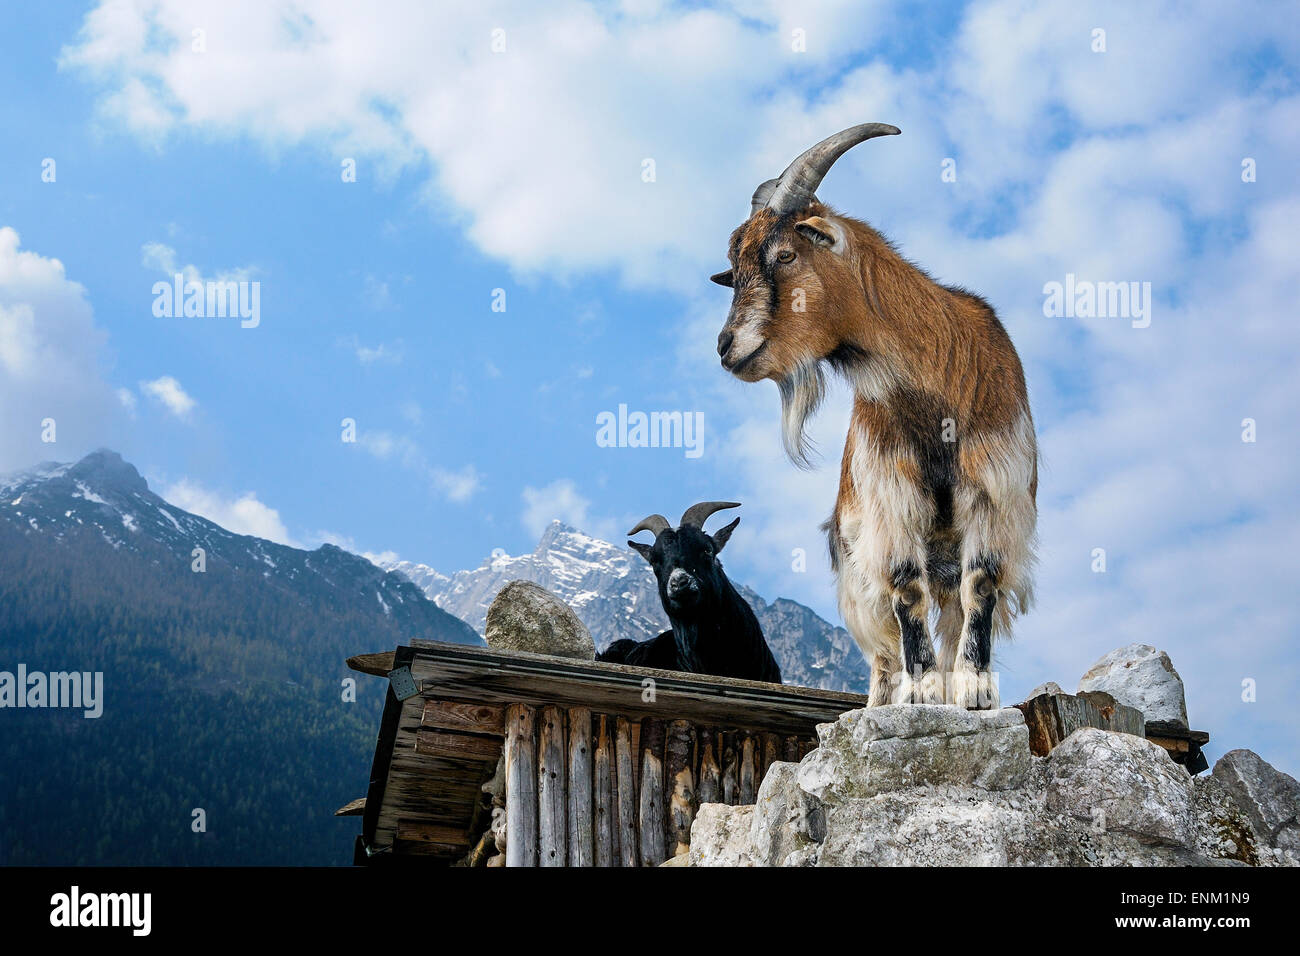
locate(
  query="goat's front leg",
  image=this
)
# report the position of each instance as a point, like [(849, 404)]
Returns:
[(920, 682), (972, 685)]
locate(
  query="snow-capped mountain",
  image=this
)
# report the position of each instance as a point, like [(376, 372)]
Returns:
[(103, 502), (615, 594)]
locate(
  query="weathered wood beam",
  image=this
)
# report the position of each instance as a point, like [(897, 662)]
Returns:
[(679, 746), (709, 789), (581, 848), (463, 717), (606, 813), (355, 808), (552, 827), (1051, 718), (439, 743), (730, 769), (376, 664), (628, 842), (652, 792), (748, 790), (521, 787)]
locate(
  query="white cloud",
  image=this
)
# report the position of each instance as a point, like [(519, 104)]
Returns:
[(561, 500), (162, 259), (534, 147), (456, 485), (242, 514), (167, 391), (51, 359), (374, 354)]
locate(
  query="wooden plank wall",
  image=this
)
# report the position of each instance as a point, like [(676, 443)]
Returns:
[(579, 795)]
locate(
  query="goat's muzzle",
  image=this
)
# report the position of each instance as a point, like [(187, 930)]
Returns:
[(682, 588)]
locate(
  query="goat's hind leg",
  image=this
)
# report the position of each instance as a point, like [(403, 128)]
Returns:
[(972, 685), (920, 682)]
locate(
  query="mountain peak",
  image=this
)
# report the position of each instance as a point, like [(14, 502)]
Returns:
[(106, 468), (555, 530)]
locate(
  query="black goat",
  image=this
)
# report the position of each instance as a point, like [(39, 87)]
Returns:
[(714, 629)]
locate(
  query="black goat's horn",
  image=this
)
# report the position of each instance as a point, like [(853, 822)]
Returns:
[(657, 524), (696, 515), (797, 186)]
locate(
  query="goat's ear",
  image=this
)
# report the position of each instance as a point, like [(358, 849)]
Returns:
[(822, 232), (722, 278), (643, 549), (722, 535)]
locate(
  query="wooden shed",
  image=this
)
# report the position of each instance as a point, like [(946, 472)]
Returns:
[(605, 764)]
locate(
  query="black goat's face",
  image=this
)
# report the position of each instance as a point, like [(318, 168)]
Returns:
[(685, 562)]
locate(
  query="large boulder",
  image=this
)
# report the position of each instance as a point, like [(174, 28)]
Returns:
[(1121, 782), (526, 617), (926, 826), (878, 749), (1140, 676), (1269, 799), (938, 786)]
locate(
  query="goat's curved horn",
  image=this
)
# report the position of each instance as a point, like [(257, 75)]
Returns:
[(655, 523), (762, 194), (798, 184), (696, 515)]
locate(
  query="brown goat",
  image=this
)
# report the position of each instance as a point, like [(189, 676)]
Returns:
[(936, 507)]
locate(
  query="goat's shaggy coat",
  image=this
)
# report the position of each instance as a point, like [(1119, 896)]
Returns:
[(936, 508)]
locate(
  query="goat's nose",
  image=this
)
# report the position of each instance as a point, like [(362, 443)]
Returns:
[(724, 343), (680, 581)]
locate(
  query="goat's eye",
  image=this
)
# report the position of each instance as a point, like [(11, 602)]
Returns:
[(785, 255)]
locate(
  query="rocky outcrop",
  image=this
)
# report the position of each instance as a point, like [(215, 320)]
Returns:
[(878, 749), (525, 617), (1122, 784), (1268, 799), (939, 786), (1140, 676)]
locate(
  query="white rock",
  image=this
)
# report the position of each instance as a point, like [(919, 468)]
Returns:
[(1143, 677), (526, 617), (1269, 798), (720, 836), (1049, 687), (940, 826), (1121, 782), (879, 749), (788, 824)]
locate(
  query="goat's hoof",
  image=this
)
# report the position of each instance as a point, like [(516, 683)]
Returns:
[(927, 689), (974, 690)]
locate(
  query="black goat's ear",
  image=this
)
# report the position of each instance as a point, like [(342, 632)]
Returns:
[(643, 549), (722, 278), (723, 534)]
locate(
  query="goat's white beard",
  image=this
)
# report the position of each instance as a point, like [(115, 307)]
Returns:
[(802, 392)]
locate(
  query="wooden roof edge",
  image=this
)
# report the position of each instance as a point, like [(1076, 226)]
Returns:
[(1176, 731), (576, 668), (377, 664), (353, 808)]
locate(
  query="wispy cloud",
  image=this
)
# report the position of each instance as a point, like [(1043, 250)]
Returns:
[(243, 513), (456, 485), (162, 258), (168, 392)]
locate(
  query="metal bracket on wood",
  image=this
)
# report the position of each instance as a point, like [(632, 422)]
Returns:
[(402, 683)]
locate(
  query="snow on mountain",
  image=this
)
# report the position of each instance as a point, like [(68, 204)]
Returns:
[(612, 589), (104, 499), (615, 594)]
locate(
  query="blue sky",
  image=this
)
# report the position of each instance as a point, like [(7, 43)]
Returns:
[(522, 168)]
